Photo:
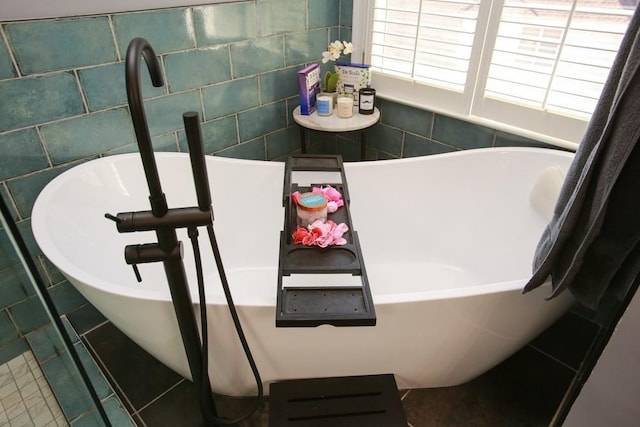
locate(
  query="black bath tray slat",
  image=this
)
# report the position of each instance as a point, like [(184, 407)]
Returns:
[(314, 306), (367, 400)]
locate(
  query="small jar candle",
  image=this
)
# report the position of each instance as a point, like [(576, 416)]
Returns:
[(325, 105), (310, 208), (345, 106), (366, 100)]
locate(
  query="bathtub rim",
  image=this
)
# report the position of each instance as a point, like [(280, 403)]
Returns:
[(134, 290)]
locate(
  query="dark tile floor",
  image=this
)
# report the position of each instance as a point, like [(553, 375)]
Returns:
[(524, 390)]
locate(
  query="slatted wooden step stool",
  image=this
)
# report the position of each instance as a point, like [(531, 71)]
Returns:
[(362, 401)]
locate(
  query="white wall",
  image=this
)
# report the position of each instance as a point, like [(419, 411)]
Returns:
[(611, 395)]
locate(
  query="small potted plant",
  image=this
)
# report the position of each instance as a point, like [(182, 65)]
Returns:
[(336, 50)]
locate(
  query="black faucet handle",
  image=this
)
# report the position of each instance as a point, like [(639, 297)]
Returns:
[(112, 218), (137, 272)]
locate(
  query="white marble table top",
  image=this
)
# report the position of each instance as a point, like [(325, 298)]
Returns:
[(333, 123)]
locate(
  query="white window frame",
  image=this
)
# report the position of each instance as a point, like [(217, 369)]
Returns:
[(555, 129)]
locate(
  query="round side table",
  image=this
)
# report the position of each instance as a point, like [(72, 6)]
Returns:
[(333, 123)]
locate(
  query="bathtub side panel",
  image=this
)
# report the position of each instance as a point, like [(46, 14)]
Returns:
[(432, 343), (149, 323)]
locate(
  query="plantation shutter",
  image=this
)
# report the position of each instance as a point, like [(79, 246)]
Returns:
[(555, 55), (535, 65), (429, 41)]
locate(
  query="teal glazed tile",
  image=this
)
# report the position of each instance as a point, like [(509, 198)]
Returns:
[(292, 104), (116, 413), (225, 23), (51, 45), (87, 135), (165, 114), (68, 327), (281, 16), (216, 135), (15, 285), (24, 228), (29, 314), (8, 332), (167, 30), (25, 190), (417, 146), (385, 139), (230, 97), (36, 100), (257, 56), (7, 69), (130, 148), (461, 134), (322, 143), (304, 47), (407, 118), (105, 86), (20, 153), (250, 150), (195, 68), (283, 143), (100, 384), (504, 139), (346, 13), (349, 150), (334, 34), (262, 120), (52, 272), (67, 386), (66, 298), (4, 193), (279, 84), (345, 34), (165, 143), (45, 342), (385, 156), (8, 255), (12, 350), (323, 13)]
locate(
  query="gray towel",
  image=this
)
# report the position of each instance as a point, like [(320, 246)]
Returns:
[(592, 242)]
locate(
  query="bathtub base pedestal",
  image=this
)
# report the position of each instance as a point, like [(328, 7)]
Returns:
[(370, 400), (310, 306)]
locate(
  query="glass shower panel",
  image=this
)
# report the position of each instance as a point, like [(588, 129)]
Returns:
[(47, 377)]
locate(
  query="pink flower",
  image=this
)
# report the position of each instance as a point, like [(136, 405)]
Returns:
[(299, 235), (321, 234), (333, 196), (295, 196)]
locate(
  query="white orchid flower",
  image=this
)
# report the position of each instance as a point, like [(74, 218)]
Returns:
[(336, 46), (327, 56), (336, 49), (348, 48)]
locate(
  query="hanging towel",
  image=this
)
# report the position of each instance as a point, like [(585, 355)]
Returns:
[(592, 242)]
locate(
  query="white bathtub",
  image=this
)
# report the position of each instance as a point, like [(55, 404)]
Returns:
[(447, 242)]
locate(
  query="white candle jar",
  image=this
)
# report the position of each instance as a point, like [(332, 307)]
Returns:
[(310, 208), (345, 106)]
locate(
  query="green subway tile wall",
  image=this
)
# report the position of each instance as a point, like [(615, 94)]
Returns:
[(64, 102)]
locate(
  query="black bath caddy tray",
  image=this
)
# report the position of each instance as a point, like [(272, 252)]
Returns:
[(309, 306)]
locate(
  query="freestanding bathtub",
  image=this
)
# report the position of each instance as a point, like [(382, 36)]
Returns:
[(447, 242)]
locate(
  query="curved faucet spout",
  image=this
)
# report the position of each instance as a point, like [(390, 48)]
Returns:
[(139, 47)]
